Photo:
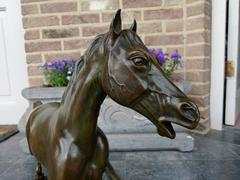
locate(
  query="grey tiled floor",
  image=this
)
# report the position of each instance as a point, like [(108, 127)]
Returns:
[(216, 157)]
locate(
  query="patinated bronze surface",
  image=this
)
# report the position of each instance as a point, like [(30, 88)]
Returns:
[(64, 137)]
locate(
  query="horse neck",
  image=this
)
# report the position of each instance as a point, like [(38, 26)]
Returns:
[(82, 102)]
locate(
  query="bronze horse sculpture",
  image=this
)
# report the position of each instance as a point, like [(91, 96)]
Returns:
[(65, 138)]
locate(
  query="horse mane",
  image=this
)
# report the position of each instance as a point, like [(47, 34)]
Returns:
[(95, 43), (79, 64)]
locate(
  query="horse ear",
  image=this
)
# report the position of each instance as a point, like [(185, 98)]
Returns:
[(116, 25), (134, 26)]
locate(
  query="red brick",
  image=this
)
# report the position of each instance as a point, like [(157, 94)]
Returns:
[(36, 82), (198, 50), (200, 89), (192, 1), (77, 44), (34, 71), (198, 37), (127, 16), (34, 58), (198, 76), (40, 21), (157, 40), (205, 113), (130, 15), (198, 9), (29, 9), (32, 1), (59, 7), (110, 5), (62, 55), (42, 46), (107, 16), (173, 2), (198, 23), (80, 19), (141, 3), (174, 26), (163, 14), (197, 63), (60, 33), (93, 31), (202, 101), (32, 35), (147, 28)]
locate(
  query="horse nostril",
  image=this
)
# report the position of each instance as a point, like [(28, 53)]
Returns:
[(189, 111)]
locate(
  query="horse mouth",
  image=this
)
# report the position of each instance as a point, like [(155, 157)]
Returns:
[(165, 128)]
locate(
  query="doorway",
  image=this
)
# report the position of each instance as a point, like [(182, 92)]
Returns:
[(225, 91), (232, 77), (13, 72)]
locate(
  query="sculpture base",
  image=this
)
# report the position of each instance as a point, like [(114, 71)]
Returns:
[(149, 142)]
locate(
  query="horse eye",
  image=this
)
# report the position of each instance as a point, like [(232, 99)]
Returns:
[(139, 61)]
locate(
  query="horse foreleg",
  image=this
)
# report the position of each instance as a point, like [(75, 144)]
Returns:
[(111, 172), (38, 173)]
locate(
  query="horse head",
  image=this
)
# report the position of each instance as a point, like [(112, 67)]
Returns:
[(133, 77)]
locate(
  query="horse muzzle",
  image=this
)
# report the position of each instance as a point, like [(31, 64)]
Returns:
[(163, 110), (186, 115), (189, 114)]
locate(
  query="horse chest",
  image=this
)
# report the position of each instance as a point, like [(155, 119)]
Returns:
[(67, 160), (70, 162)]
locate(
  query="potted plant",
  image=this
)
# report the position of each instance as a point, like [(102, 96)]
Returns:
[(58, 72)]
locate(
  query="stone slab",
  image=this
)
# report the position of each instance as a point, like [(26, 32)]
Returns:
[(48, 93), (149, 142)]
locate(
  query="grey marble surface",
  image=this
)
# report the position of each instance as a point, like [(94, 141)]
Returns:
[(216, 157)]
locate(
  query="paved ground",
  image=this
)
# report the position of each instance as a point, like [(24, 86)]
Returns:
[(216, 157)]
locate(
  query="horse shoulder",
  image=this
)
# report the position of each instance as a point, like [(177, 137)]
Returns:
[(43, 113)]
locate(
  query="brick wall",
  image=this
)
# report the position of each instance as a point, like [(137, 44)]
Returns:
[(63, 29)]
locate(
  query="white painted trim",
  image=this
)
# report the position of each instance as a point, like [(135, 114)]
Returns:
[(231, 84), (217, 63), (13, 106)]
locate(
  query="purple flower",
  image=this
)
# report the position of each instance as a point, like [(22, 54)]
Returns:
[(160, 55), (175, 56), (168, 63), (60, 71), (65, 62)]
